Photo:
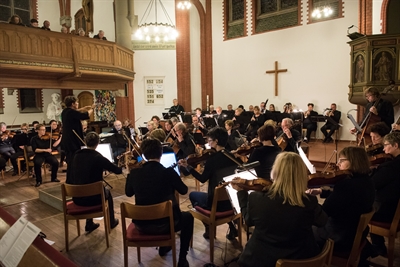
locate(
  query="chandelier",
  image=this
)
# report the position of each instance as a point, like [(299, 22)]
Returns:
[(320, 12), (184, 4), (155, 31)]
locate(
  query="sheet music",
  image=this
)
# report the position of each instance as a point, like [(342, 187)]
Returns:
[(232, 192), (306, 161)]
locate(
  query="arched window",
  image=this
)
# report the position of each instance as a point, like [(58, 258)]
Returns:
[(23, 8), (234, 18), (322, 10), (271, 15)]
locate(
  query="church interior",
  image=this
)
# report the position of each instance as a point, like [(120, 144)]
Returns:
[(226, 52)]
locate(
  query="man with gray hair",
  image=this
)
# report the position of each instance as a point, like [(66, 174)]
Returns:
[(288, 137), (100, 36)]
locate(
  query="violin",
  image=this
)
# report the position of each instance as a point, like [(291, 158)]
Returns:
[(379, 158), (259, 184), (46, 137), (7, 134), (54, 135), (247, 149), (195, 159), (327, 178)]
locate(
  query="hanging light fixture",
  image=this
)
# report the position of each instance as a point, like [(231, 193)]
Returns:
[(155, 31), (322, 11), (184, 4)]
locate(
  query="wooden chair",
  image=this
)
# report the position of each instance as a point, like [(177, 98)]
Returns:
[(29, 161), (75, 212), (214, 218), (351, 259), (133, 238), (388, 230), (321, 260)]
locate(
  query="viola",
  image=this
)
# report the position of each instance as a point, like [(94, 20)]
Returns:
[(54, 135), (7, 134), (327, 178), (247, 149), (195, 159), (255, 184), (373, 148), (46, 137), (379, 158)]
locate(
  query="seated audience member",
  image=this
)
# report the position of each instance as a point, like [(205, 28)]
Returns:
[(156, 121), (216, 168), (100, 36), (185, 141), (87, 167), (118, 140), (283, 216), (308, 124), (164, 181), (81, 32), (64, 29), (34, 23), (234, 138), (350, 198), (46, 25), (42, 146), (377, 132), (289, 135), (265, 154), (21, 140), (6, 146), (387, 183), (16, 20)]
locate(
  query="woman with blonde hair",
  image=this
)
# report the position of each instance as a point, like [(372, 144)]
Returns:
[(283, 216)]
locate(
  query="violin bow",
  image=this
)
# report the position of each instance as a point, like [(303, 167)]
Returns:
[(329, 161), (237, 162), (83, 142), (51, 135), (241, 137)]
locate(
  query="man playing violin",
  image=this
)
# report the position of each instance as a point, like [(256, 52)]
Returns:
[(152, 184), (6, 147), (118, 140), (290, 135), (184, 141), (198, 129), (377, 132), (42, 145), (386, 179), (216, 168)]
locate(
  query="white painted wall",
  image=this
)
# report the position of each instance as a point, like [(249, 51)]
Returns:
[(49, 10), (376, 17)]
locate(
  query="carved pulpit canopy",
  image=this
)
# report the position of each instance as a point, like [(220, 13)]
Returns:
[(375, 61)]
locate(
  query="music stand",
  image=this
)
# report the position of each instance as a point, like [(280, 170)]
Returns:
[(328, 118)]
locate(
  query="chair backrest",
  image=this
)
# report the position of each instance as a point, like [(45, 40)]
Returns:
[(356, 248), (321, 260), (84, 190), (28, 162), (220, 194), (396, 220)]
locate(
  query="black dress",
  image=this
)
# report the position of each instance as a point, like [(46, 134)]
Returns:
[(266, 156)]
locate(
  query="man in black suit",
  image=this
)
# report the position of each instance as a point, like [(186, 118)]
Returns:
[(311, 126), (176, 108), (335, 115), (87, 167)]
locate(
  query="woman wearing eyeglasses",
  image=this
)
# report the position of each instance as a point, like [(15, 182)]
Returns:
[(387, 183), (349, 198)]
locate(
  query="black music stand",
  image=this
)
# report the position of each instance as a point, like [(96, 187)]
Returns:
[(328, 118)]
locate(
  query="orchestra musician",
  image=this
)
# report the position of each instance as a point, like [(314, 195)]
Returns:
[(184, 140), (221, 117), (283, 216), (386, 179), (43, 145), (164, 182), (33, 131), (350, 198), (198, 128), (160, 135), (308, 124), (174, 121), (167, 129), (87, 167), (21, 140), (84, 127), (156, 121), (118, 140), (72, 127), (127, 125), (262, 107), (377, 132), (176, 108), (291, 136), (233, 136), (256, 121), (6, 146), (288, 108), (211, 110), (272, 107), (199, 115), (335, 115), (240, 120), (216, 168), (266, 153), (396, 127), (383, 108)]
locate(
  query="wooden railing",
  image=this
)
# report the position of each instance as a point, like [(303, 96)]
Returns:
[(35, 58)]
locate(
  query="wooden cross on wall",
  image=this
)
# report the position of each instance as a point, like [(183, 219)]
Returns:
[(276, 71)]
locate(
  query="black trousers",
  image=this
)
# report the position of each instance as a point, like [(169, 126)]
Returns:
[(183, 224), (7, 152), (330, 127), (310, 128), (39, 159), (109, 198)]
